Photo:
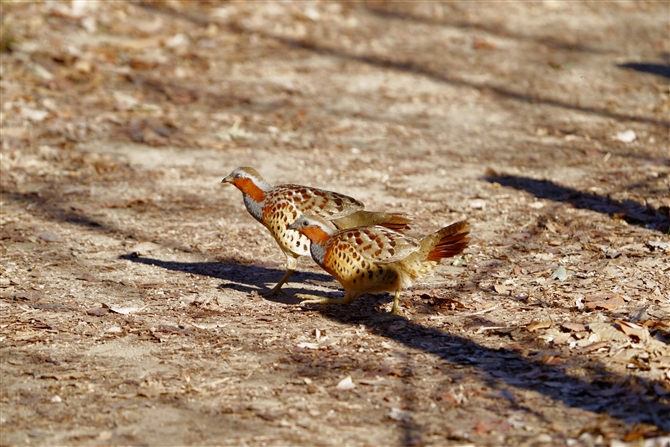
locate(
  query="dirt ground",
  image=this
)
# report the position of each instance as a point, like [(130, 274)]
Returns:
[(129, 276)]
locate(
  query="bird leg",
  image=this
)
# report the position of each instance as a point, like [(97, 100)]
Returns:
[(275, 290), (291, 265), (396, 302), (395, 311)]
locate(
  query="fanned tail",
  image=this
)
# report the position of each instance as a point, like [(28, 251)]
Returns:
[(452, 241), (392, 221)]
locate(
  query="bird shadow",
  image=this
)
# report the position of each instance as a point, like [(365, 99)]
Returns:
[(629, 210), (238, 277), (662, 70)]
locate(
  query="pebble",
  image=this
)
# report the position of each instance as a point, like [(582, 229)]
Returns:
[(627, 136), (477, 204), (49, 236), (346, 384), (560, 274)]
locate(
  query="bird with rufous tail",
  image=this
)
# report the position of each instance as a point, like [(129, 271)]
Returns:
[(372, 259)]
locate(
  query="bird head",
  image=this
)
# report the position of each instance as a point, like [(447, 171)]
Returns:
[(249, 181), (317, 229), (243, 173)]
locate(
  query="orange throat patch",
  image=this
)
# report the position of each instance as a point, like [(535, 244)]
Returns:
[(316, 235), (248, 187)]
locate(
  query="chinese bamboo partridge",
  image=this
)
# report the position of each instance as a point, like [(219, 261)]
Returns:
[(376, 259), (276, 206)]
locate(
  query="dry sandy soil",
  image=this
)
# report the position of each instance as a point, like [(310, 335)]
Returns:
[(129, 277)]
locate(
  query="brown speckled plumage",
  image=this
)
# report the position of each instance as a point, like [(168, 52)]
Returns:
[(277, 206), (376, 259)]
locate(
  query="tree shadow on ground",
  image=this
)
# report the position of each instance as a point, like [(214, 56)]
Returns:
[(657, 69), (442, 76), (630, 400), (436, 74), (629, 210), (386, 10)]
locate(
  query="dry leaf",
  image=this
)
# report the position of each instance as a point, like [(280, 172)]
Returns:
[(87, 277), (99, 312), (561, 339), (308, 345), (448, 397), (484, 427), (501, 289), (560, 274), (536, 325), (400, 415), (592, 347), (125, 310), (551, 360), (49, 236), (633, 330), (574, 327), (593, 302), (607, 332), (447, 303)]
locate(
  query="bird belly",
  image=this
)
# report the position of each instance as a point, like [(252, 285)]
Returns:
[(358, 275), (381, 278)]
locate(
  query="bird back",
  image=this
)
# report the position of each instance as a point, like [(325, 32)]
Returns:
[(362, 218)]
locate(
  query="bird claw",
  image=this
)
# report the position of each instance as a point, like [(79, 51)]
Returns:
[(311, 299), (271, 292)]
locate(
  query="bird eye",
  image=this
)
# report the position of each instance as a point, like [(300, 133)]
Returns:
[(238, 175)]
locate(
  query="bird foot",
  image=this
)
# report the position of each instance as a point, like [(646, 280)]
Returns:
[(277, 288), (313, 299), (386, 317), (396, 311), (274, 291)]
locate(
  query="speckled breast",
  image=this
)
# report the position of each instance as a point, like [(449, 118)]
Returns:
[(277, 216), (356, 273)]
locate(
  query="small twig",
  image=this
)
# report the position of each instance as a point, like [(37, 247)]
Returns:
[(215, 382), (468, 314), (491, 328), (479, 312)]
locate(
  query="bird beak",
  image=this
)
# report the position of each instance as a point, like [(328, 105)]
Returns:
[(292, 226), (228, 179)]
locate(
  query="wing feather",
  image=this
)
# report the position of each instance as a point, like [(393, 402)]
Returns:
[(377, 244), (327, 204)]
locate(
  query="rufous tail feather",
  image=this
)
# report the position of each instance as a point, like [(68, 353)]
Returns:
[(362, 218), (453, 240)]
